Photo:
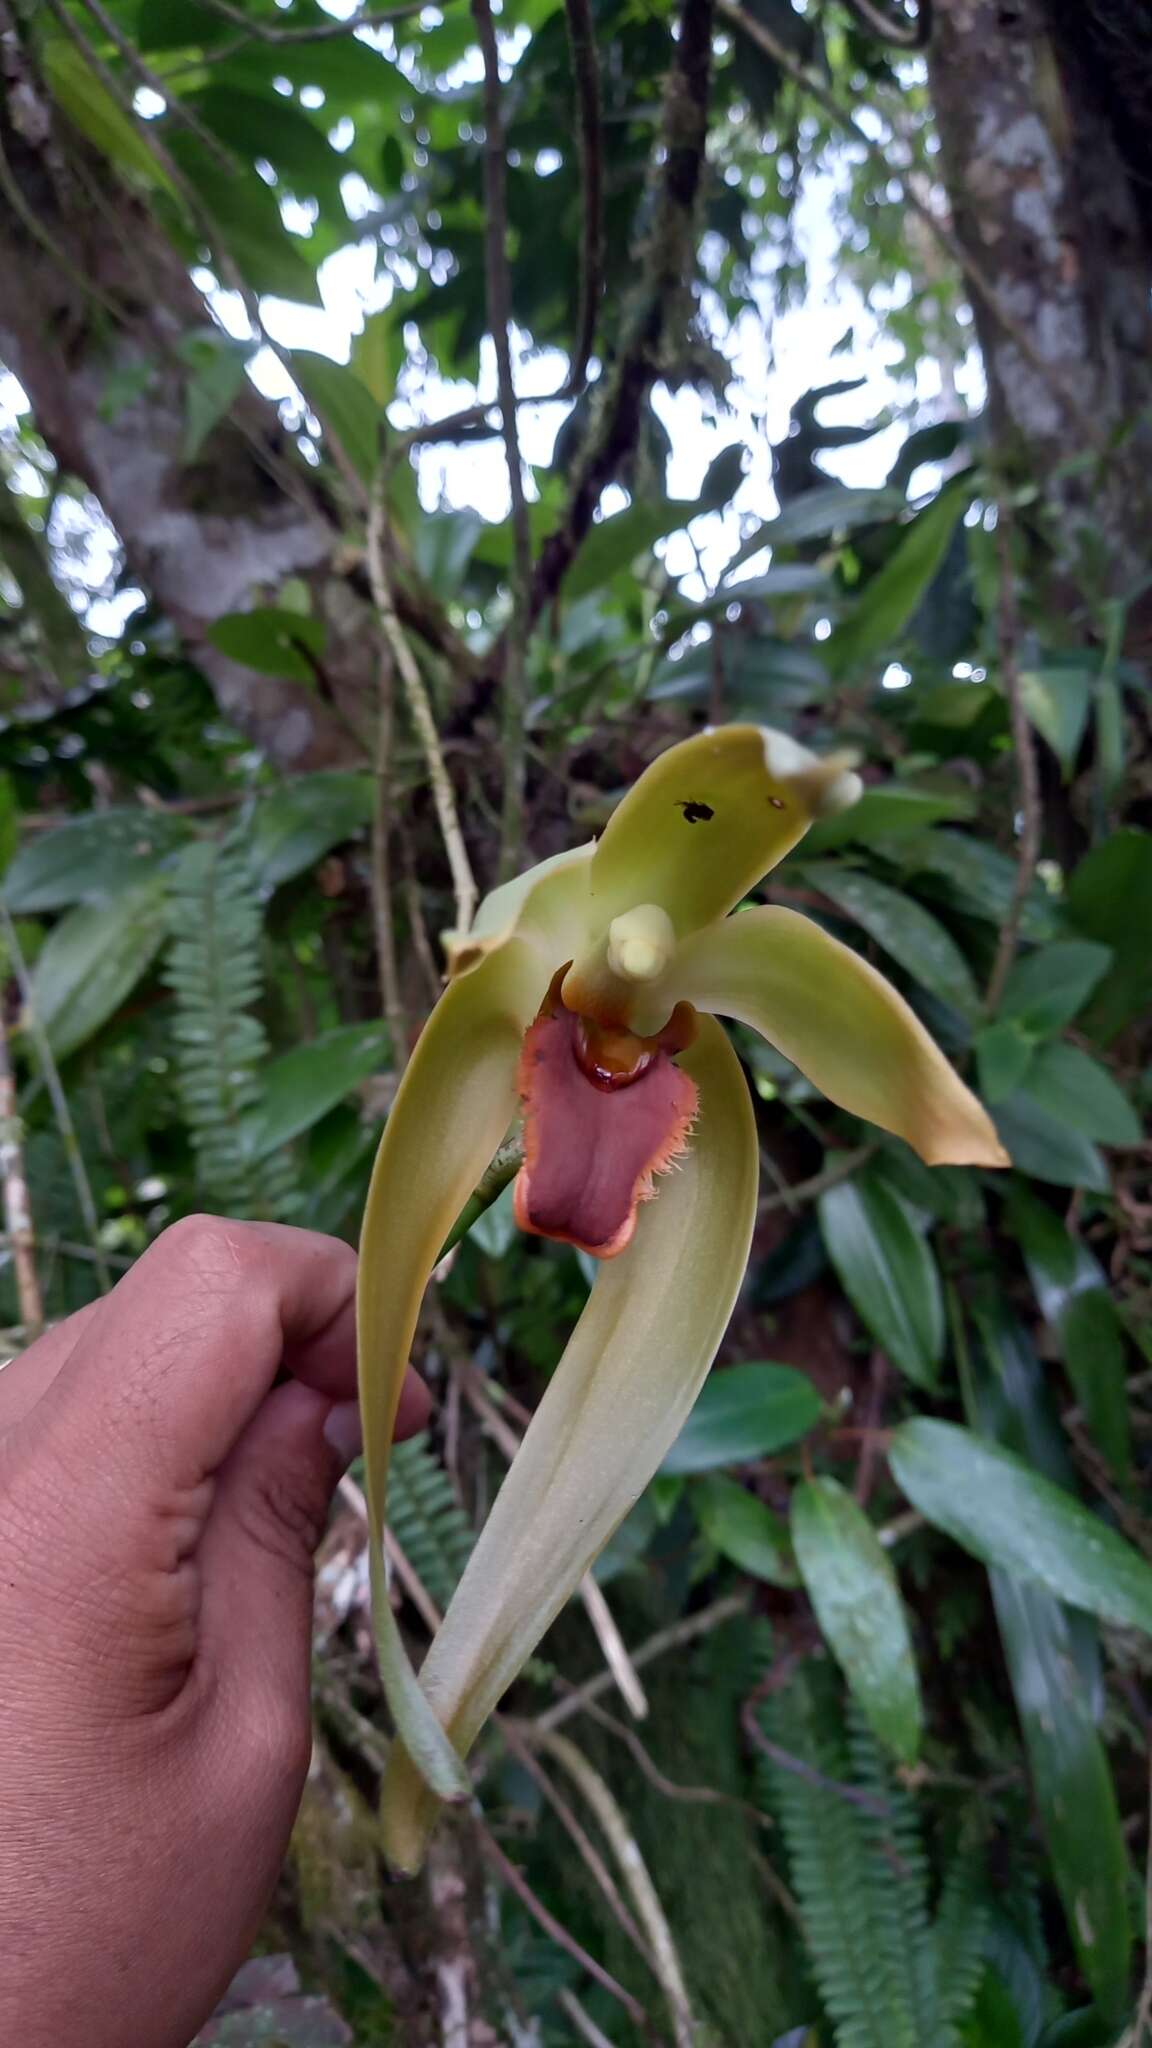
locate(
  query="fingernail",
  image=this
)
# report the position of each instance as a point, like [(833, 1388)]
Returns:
[(343, 1431)]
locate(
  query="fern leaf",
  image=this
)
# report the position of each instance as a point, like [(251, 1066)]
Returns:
[(961, 1926), (213, 969), (859, 1872)]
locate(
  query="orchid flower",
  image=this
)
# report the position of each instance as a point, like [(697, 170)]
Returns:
[(585, 1000)]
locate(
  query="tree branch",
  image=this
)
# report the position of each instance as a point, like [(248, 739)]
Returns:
[(586, 75), (667, 258), (1024, 746), (443, 795), (500, 322)]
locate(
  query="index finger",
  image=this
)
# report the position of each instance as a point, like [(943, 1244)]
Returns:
[(180, 1355)]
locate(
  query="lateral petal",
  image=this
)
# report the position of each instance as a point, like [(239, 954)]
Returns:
[(618, 1398), (841, 1023)]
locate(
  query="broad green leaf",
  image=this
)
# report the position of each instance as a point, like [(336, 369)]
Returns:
[(1071, 1289), (830, 509), (301, 1086), (1095, 1356), (1053, 1661), (272, 639), (997, 1507), (263, 125), (888, 1273), (907, 932), (218, 369), (993, 2021), (744, 1412), (782, 580), (442, 546), (891, 597), (344, 405), (94, 958), (1047, 988), (90, 107), (852, 1586), (980, 878), (373, 358), (1004, 1052), (1074, 1087), (93, 855), (614, 543), (1060, 1266), (1110, 900), (1057, 701), (743, 1529), (889, 813), (1071, 1781), (294, 826), (1044, 1147), (248, 225)]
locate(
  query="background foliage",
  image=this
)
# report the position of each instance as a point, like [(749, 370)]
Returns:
[(275, 691)]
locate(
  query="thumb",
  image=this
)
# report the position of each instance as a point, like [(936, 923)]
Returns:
[(268, 1515)]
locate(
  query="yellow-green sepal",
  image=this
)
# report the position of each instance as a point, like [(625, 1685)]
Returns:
[(547, 904), (841, 1023), (615, 1404), (453, 1107), (708, 818)]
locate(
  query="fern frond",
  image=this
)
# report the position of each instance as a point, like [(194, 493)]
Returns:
[(961, 1926), (213, 968), (887, 1977), (426, 1518)]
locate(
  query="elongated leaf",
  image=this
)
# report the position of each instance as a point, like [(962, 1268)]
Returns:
[(1004, 1054), (1076, 1089), (744, 1412), (888, 1273), (889, 813), (271, 639), (893, 594), (980, 879), (1092, 1340), (91, 856), (301, 1086), (852, 1586), (1053, 1662), (90, 107), (93, 958), (830, 509), (614, 544), (1047, 1149), (1046, 989), (994, 1505), (1110, 900), (218, 368), (248, 224), (910, 934), (297, 824), (743, 1529), (1057, 701), (345, 406)]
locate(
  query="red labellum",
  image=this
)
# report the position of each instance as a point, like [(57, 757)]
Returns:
[(604, 1112)]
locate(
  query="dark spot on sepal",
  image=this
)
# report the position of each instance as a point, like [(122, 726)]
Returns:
[(697, 814)]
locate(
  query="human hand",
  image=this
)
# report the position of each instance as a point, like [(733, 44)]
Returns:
[(160, 1501)]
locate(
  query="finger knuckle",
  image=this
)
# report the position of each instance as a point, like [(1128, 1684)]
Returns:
[(282, 1515)]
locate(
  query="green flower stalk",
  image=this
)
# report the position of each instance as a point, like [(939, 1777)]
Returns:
[(586, 998)]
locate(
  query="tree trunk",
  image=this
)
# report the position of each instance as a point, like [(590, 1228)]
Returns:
[(1048, 210), (96, 303)]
